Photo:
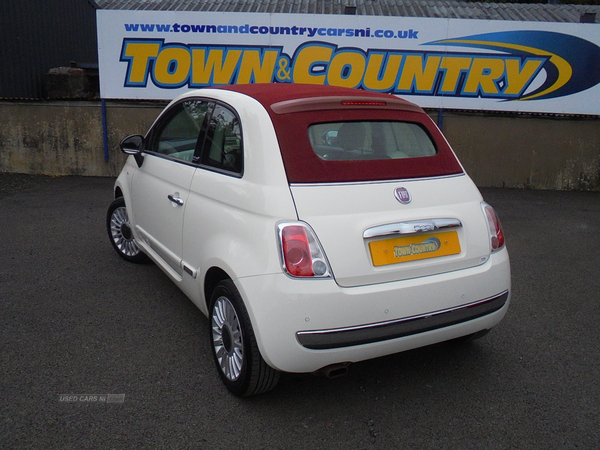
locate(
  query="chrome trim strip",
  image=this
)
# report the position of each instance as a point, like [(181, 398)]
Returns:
[(359, 183), (383, 331), (411, 227)]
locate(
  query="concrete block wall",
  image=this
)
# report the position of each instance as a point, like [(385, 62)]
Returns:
[(527, 151), (66, 138), (499, 150)]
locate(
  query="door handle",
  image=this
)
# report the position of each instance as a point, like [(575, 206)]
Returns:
[(176, 200)]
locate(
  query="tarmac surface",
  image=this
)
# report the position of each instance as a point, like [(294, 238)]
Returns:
[(78, 323)]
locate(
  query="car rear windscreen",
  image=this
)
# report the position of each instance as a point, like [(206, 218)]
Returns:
[(353, 141)]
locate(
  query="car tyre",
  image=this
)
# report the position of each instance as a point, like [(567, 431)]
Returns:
[(120, 234), (235, 351)]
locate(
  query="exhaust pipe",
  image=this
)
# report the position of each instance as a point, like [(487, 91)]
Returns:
[(334, 370)]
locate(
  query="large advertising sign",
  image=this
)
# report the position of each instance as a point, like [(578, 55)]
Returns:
[(436, 63)]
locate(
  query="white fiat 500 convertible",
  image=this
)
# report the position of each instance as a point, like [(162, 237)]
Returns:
[(315, 226)]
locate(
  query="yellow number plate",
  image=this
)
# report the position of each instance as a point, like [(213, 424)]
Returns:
[(413, 248)]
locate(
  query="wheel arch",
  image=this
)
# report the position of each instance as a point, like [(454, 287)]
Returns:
[(213, 276)]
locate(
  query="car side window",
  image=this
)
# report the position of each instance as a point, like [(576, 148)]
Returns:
[(177, 136), (223, 144)]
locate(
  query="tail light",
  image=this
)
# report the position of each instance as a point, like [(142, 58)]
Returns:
[(301, 253), (494, 227)]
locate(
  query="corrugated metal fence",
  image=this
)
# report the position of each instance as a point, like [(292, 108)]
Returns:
[(451, 9), (38, 35)]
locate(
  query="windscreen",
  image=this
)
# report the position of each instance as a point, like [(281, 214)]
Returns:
[(355, 141)]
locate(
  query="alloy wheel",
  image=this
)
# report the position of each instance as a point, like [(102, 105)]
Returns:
[(227, 338), (121, 233)]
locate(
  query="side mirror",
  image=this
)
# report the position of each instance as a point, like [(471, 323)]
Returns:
[(133, 145)]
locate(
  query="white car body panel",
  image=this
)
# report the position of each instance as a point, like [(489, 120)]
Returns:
[(158, 220), (283, 306), (340, 214), (242, 241)]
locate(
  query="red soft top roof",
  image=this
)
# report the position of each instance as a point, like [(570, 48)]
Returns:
[(292, 109)]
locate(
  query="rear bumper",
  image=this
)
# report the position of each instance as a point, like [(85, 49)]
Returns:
[(367, 334), (305, 325)]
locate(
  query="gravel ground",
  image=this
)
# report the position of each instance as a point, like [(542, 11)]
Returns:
[(77, 320), (10, 183)]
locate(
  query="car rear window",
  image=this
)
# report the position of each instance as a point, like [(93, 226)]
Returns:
[(366, 140), (355, 145)]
